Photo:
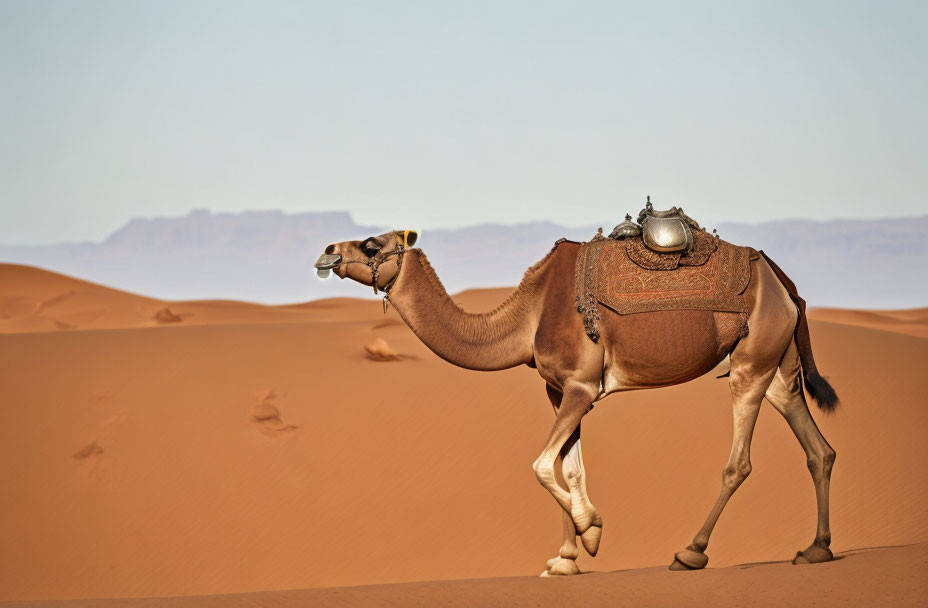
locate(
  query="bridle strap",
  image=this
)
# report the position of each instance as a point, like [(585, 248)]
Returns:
[(374, 263)]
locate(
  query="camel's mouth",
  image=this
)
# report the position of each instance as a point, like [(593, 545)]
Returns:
[(327, 262)]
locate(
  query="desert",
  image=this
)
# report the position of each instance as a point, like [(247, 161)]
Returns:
[(227, 453), (635, 312)]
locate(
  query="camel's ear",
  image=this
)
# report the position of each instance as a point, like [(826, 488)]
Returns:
[(409, 237)]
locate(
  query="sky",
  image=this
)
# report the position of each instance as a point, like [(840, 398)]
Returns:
[(445, 114)]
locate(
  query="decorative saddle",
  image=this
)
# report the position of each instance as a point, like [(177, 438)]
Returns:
[(669, 231), (665, 261), (664, 240)]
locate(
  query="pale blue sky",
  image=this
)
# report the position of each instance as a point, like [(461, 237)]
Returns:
[(450, 113)]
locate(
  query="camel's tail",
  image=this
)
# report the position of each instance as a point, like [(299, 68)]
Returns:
[(817, 386)]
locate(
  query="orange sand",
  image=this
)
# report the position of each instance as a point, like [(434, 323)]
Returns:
[(886, 576), (250, 448)]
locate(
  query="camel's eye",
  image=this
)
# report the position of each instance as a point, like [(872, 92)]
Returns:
[(370, 246)]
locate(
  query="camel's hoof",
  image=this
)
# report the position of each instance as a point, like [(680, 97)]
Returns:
[(815, 554), (689, 560), (591, 538), (561, 567), (589, 530)]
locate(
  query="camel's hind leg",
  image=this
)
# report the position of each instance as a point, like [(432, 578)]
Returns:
[(748, 393), (785, 393)]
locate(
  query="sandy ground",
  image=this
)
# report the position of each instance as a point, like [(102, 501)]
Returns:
[(158, 449), (888, 576)]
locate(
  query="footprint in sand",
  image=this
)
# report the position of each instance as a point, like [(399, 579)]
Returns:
[(266, 416), (89, 456), (91, 450), (165, 315), (379, 350)]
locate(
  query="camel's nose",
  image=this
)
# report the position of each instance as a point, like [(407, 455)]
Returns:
[(327, 261)]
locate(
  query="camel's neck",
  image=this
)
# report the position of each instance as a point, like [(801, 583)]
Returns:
[(496, 340)]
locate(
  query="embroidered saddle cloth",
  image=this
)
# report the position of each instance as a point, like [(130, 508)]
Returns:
[(629, 278)]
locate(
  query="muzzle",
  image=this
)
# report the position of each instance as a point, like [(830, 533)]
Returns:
[(326, 263)]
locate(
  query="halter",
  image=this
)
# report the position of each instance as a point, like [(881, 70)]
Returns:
[(379, 258)]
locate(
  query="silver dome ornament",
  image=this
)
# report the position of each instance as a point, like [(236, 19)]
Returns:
[(627, 229), (667, 234), (667, 231)]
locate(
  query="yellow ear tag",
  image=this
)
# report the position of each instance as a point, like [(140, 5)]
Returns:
[(405, 238)]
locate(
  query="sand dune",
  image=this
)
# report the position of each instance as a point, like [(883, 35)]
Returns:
[(913, 322), (35, 300), (248, 448)]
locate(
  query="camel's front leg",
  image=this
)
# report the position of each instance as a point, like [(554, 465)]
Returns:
[(587, 520), (565, 440), (566, 561)]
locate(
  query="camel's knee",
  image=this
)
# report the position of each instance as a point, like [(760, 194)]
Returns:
[(830, 456), (785, 391), (820, 465), (734, 474), (544, 472)]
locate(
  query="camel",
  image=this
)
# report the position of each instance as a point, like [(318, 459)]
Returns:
[(538, 325)]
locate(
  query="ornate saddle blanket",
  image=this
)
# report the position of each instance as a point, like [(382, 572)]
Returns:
[(629, 278)]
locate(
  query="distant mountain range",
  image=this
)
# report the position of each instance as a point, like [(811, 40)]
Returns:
[(267, 256)]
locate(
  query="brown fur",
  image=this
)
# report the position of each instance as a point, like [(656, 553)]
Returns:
[(538, 325), (817, 386)]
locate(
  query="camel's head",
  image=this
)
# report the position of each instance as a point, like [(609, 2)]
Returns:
[(361, 260)]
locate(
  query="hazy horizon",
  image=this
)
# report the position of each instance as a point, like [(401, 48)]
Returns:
[(439, 115), (606, 224)]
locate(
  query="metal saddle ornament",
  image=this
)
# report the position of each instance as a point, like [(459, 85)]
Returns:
[(667, 231), (625, 230)]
